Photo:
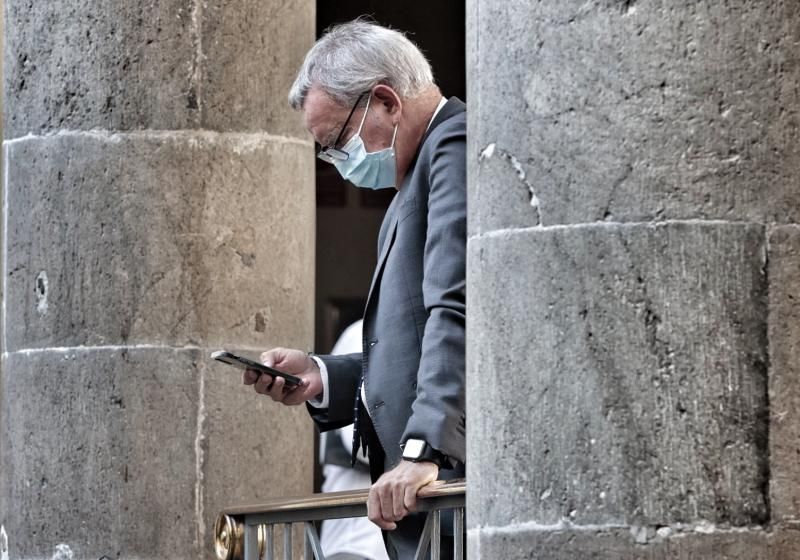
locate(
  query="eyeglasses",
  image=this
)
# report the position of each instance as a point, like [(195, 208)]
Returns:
[(332, 154)]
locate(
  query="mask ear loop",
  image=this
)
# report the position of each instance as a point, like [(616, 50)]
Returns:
[(364, 117)]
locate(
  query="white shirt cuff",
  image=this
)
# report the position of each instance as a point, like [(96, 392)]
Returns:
[(323, 371)]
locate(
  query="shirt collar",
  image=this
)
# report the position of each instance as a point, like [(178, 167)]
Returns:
[(442, 103)]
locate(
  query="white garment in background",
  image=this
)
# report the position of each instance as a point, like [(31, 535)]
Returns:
[(357, 535)]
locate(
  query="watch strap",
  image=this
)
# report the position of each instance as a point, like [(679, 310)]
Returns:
[(430, 454)]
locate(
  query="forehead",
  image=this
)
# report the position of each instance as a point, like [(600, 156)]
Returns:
[(322, 116)]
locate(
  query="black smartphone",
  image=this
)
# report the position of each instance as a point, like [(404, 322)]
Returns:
[(245, 363)]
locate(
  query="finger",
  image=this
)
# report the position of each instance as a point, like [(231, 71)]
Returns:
[(263, 384), (374, 508), (387, 508), (375, 512), (276, 389), (249, 377), (398, 501), (410, 498), (294, 395)]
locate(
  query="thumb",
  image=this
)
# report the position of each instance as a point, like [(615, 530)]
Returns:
[(271, 357)]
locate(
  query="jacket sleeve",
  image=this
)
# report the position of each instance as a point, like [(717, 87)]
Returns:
[(438, 412), (344, 376)]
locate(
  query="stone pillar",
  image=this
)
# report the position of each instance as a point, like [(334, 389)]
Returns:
[(158, 205), (634, 280)]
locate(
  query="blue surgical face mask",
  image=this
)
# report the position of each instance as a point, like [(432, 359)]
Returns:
[(370, 170)]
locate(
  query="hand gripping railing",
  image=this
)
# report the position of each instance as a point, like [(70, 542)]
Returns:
[(247, 532)]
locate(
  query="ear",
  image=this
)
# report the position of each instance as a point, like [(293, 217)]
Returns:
[(389, 100)]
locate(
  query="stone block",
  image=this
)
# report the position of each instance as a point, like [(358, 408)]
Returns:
[(621, 373), (784, 375), (132, 453), (633, 111), (564, 543), (81, 65), (500, 171), (167, 65), (253, 449), (174, 239), (98, 453), (252, 51), (784, 543)]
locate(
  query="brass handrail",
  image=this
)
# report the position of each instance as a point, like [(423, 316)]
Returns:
[(229, 530)]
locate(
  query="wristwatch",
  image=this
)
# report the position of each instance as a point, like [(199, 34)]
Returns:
[(417, 450)]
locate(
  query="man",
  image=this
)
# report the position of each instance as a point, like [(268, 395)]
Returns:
[(369, 100)]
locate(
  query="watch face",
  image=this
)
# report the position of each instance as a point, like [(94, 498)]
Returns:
[(413, 448)]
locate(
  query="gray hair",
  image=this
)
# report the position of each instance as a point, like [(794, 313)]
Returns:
[(354, 57)]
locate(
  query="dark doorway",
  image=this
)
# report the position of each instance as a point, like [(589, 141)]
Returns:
[(348, 218)]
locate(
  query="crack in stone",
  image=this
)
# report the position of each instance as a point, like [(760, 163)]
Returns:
[(628, 7), (200, 449), (557, 114), (589, 10), (4, 247), (3, 543), (241, 141), (63, 552), (596, 107), (193, 95), (642, 534), (607, 215), (489, 151), (659, 348), (765, 466)]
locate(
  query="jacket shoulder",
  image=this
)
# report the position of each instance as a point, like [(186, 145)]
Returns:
[(453, 128)]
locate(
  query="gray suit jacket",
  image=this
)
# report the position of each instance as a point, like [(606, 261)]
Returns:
[(413, 359)]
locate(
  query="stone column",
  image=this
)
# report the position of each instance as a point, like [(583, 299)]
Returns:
[(158, 205), (634, 279)]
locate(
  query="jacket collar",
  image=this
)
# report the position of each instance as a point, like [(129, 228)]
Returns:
[(453, 107)]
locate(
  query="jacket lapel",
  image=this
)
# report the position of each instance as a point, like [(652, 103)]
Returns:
[(452, 107), (388, 240)]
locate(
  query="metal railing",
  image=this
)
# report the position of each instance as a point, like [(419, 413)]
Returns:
[(248, 532)]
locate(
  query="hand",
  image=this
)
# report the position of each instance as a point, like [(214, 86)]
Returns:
[(294, 362), (394, 495)]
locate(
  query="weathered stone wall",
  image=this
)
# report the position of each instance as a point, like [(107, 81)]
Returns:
[(158, 205), (3, 539), (634, 279)]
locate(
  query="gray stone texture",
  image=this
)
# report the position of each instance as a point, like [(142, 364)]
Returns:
[(2, 168), (111, 65), (633, 362), (169, 65), (784, 379), (159, 239), (637, 543), (138, 241), (2, 242), (100, 454), (633, 111), (622, 375), (251, 56), (157, 443)]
